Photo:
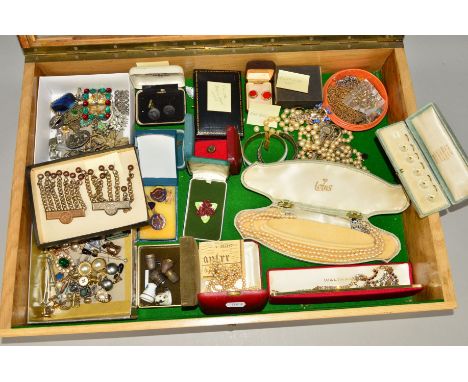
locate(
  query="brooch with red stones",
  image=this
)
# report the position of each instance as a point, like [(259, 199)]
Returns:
[(205, 210)]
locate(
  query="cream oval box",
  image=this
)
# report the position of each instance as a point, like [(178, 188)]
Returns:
[(320, 213)]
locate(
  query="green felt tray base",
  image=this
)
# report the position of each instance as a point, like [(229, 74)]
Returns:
[(239, 198)]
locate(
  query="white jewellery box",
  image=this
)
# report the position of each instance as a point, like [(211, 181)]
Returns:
[(160, 94), (53, 87)]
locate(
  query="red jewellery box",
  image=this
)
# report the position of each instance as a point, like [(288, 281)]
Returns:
[(252, 299), (222, 148), (341, 283)]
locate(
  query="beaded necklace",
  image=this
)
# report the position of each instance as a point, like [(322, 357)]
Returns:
[(318, 137)]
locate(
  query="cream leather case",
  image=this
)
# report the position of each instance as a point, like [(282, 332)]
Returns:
[(320, 212), (428, 159)]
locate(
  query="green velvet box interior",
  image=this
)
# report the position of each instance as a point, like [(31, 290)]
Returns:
[(210, 228), (239, 198)]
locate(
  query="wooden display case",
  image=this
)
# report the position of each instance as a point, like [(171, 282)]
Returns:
[(52, 56)]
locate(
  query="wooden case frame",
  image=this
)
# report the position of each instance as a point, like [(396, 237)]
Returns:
[(425, 240)]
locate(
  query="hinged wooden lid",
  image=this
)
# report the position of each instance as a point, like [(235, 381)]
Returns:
[(77, 48)]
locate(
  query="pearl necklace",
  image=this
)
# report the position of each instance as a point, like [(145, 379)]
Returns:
[(247, 223), (318, 137)]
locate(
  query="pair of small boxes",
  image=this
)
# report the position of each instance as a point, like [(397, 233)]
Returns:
[(294, 86), (199, 268), (160, 156), (225, 277)]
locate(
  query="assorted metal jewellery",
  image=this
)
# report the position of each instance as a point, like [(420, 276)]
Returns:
[(88, 121), (225, 277), (79, 273), (355, 100), (61, 195), (317, 136), (118, 197), (382, 277)]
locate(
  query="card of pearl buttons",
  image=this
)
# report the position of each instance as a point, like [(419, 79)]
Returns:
[(413, 170)]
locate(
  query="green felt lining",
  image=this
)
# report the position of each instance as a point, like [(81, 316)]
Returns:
[(214, 192), (238, 198)]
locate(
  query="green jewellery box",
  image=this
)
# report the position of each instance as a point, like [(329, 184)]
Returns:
[(204, 213), (428, 159)]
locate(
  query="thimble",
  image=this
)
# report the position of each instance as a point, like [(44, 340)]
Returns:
[(149, 293), (172, 276), (150, 260), (163, 298), (157, 277), (166, 265)]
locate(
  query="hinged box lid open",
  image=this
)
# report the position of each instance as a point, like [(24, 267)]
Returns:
[(77, 48)]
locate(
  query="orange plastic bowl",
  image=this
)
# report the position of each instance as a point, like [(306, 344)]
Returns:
[(364, 74)]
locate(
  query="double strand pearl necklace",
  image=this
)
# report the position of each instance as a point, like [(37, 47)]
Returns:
[(248, 224), (318, 137)]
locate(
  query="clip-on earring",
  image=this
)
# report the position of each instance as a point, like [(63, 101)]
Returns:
[(153, 113), (112, 248), (253, 94), (266, 95), (149, 293)]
